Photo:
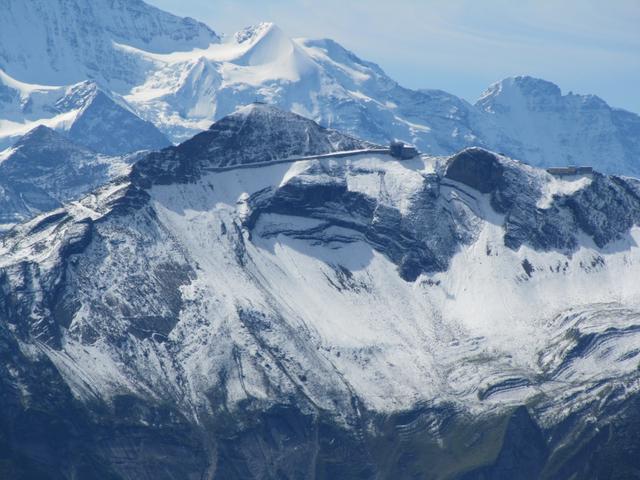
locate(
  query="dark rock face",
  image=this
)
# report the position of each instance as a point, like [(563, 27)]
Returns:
[(605, 209), (611, 452), (426, 238), (477, 168), (420, 242), (47, 434), (240, 138), (47, 159), (523, 454)]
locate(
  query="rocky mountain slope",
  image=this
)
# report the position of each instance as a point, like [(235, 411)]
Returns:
[(311, 318), (44, 168), (181, 76)]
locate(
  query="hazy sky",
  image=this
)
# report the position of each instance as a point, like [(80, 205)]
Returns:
[(461, 46)]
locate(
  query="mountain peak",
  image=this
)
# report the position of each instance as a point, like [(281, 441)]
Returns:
[(277, 133), (45, 168), (41, 132), (254, 32), (107, 124), (532, 85), (258, 111), (78, 95), (266, 42), (42, 149), (526, 86), (254, 133), (43, 138), (339, 54)]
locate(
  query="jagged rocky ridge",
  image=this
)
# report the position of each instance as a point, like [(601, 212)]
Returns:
[(239, 139), (311, 319)]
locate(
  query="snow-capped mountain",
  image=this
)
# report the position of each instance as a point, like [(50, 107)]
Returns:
[(44, 168), (258, 316), (522, 116), (63, 42), (108, 126), (181, 76), (531, 119), (315, 78), (84, 112)]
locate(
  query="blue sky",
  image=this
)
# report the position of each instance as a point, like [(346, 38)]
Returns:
[(461, 46)]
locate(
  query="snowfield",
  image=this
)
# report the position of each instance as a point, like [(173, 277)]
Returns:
[(295, 305)]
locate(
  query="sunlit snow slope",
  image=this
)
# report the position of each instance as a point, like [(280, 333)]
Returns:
[(180, 76), (450, 290)]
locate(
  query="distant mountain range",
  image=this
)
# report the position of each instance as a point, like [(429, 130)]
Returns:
[(180, 76)]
